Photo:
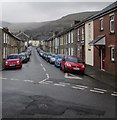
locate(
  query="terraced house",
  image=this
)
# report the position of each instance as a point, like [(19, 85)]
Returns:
[(105, 29), (9, 43), (94, 39)]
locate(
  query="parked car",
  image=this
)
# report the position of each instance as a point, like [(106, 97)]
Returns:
[(48, 57), (52, 58), (13, 61), (24, 57), (72, 64), (58, 59)]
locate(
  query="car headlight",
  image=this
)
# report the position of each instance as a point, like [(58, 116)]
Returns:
[(18, 62), (6, 62), (67, 64), (83, 66)]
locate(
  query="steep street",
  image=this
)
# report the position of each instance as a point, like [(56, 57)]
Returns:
[(40, 90)]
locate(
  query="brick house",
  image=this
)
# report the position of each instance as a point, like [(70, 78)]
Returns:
[(105, 29), (9, 43), (79, 31)]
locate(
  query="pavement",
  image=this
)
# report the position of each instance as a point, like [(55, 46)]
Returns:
[(101, 76)]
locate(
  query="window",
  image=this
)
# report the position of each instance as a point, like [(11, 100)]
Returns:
[(82, 33), (101, 25), (72, 37), (112, 54), (112, 24), (72, 51), (78, 35)]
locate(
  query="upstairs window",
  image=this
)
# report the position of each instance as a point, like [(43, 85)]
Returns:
[(113, 54), (78, 39), (111, 24), (101, 25)]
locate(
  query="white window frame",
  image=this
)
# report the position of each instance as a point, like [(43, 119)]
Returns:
[(112, 54), (112, 22), (72, 37), (78, 31), (82, 33), (69, 37), (4, 37), (72, 51), (101, 24)]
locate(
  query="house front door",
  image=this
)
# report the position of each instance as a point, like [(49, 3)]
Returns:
[(103, 58)]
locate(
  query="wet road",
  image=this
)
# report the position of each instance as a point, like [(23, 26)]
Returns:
[(40, 90)]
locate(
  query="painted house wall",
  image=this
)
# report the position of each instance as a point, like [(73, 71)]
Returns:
[(89, 50)]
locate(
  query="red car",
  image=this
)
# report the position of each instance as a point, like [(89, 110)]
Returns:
[(13, 61), (72, 64)]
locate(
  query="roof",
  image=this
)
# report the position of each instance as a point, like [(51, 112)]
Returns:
[(100, 40), (107, 9)]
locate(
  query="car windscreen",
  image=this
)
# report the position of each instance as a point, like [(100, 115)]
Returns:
[(60, 56), (12, 56), (73, 59)]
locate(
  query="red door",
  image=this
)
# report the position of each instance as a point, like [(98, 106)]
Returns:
[(103, 58)]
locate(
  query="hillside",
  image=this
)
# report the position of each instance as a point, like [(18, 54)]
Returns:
[(59, 25), (35, 29)]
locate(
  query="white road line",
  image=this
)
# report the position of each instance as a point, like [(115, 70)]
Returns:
[(82, 86), (97, 91), (47, 77), (72, 77), (79, 88), (59, 84), (44, 69), (45, 83), (100, 89), (41, 65), (14, 79), (28, 81), (49, 81), (114, 94)]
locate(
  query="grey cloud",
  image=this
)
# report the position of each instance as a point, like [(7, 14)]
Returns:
[(45, 11)]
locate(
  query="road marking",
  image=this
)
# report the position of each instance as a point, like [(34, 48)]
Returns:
[(28, 81), (100, 89), (44, 69), (79, 88), (72, 76), (114, 94), (47, 77), (96, 91), (59, 84), (14, 79), (82, 86), (45, 83), (41, 65), (49, 81)]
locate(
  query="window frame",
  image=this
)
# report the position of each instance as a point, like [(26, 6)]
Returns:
[(112, 21), (112, 54), (101, 24)]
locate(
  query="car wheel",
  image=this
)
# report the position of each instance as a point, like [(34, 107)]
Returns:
[(60, 67), (20, 67)]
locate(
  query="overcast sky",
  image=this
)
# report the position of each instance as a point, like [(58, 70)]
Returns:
[(45, 11)]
